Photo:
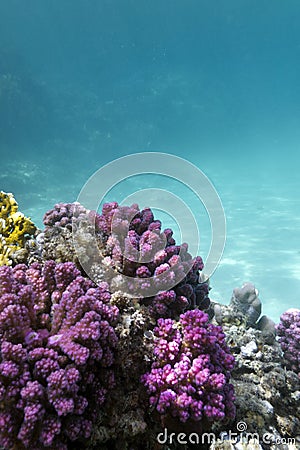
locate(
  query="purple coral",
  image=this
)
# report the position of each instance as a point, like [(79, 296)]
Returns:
[(62, 214), (57, 344), (289, 337), (189, 378), (134, 245)]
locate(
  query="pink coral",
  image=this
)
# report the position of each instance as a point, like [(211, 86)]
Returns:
[(289, 337), (57, 344), (189, 378), (135, 246)]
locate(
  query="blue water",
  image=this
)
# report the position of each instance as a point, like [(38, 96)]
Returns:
[(217, 83)]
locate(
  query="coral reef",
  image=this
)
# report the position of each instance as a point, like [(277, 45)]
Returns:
[(105, 343), (57, 343), (289, 337), (15, 231)]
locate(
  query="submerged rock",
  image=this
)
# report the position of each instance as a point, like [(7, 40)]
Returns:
[(244, 306)]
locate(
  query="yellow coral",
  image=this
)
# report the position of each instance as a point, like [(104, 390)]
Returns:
[(14, 228), (19, 226), (4, 253), (8, 205)]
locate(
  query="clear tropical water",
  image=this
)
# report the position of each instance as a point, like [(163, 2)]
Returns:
[(217, 83)]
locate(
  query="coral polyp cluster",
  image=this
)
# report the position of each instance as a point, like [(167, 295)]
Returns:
[(134, 244), (57, 343), (15, 229), (189, 377)]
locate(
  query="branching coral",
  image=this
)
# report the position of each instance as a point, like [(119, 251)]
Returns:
[(189, 378), (63, 214), (15, 228), (57, 344), (133, 244), (8, 205)]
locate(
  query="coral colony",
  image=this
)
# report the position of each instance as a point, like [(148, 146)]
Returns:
[(190, 374), (289, 332), (15, 229), (57, 343), (86, 362)]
